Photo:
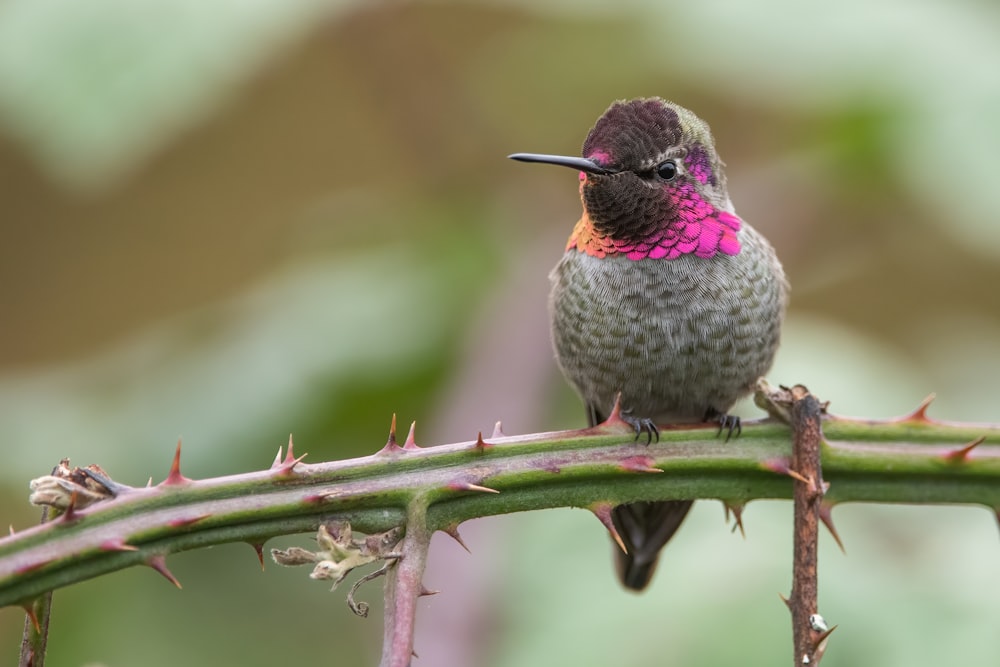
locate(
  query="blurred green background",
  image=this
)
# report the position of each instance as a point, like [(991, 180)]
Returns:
[(229, 221)]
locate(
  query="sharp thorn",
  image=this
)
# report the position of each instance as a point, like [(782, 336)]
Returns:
[(920, 414), (29, 611), (174, 477), (468, 486), (411, 438), (638, 464), (70, 514), (737, 510), (497, 430), (961, 455), (287, 465), (603, 513), (616, 411), (481, 445), (424, 591), (277, 458), (159, 563), (786, 601), (452, 532), (258, 548), (820, 639), (391, 447), (798, 476), (826, 516), (182, 522), (117, 544)]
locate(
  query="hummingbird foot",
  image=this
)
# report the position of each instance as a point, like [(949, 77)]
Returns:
[(642, 425), (728, 423)]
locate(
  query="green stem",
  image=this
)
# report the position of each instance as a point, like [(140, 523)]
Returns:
[(902, 461)]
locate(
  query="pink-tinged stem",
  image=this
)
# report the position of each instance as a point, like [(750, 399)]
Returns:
[(403, 588)]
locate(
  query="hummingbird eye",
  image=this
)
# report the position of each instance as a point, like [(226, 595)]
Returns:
[(667, 170)]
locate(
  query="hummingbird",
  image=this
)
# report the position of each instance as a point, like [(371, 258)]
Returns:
[(663, 297)]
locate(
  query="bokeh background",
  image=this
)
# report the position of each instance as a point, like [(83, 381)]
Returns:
[(229, 221)]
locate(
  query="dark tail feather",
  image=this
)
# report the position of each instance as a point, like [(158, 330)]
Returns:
[(645, 527)]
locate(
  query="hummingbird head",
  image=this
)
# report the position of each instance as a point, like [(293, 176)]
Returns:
[(651, 184)]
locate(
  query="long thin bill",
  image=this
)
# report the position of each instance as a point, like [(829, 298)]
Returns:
[(581, 163)]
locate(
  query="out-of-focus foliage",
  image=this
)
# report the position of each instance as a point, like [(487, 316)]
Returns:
[(229, 221)]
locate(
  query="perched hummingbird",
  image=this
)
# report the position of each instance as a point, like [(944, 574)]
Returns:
[(663, 295)]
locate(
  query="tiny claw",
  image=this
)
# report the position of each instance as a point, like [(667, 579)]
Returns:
[(729, 423), (642, 425)]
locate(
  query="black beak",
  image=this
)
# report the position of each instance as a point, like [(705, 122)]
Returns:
[(581, 163)]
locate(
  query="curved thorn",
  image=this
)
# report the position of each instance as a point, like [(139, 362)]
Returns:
[(277, 458), (616, 412), (920, 414), (826, 516), (961, 455), (159, 563), (452, 532), (603, 513)]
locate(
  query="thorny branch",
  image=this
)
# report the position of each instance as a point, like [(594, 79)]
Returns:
[(107, 526), (809, 631)]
